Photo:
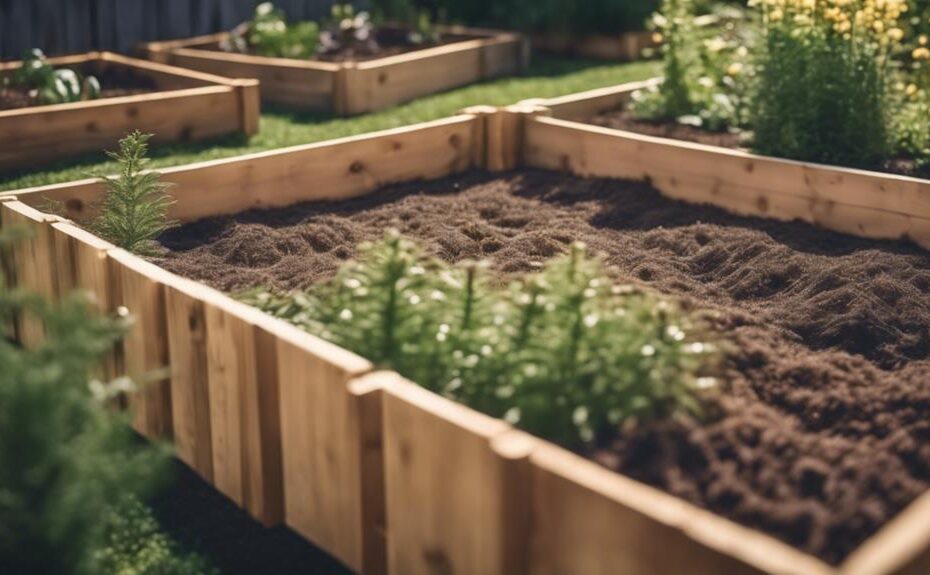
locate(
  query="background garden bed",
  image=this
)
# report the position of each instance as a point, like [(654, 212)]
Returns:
[(177, 104), (350, 88)]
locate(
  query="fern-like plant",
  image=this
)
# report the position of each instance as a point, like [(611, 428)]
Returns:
[(565, 353), (134, 211)]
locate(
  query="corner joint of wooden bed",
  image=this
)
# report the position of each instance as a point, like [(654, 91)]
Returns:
[(502, 138)]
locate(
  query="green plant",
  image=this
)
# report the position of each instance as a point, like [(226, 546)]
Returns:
[(707, 75), (348, 31), (64, 455), (135, 208), (268, 34), (565, 353), (823, 81), (52, 86), (134, 544)]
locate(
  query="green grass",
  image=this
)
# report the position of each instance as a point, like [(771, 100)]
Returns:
[(545, 79)]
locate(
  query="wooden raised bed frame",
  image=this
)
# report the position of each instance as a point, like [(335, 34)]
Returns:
[(352, 88), (187, 106), (384, 475), (623, 47)]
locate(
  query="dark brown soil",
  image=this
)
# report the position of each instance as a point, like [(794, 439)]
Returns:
[(621, 119), (824, 432), (114, 83)]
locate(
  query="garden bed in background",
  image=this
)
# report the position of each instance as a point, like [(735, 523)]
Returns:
[(622, 47), (114, 81), (819, 439), (176, 104), (354, 86)]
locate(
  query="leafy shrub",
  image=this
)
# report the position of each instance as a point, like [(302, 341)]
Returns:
[(564, 353), (135, 208), (71, 470), (823, 78), (135, 545), (269, 34), (53, 86), (705, 81)]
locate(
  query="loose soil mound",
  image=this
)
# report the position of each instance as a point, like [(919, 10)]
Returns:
[(824, 433)]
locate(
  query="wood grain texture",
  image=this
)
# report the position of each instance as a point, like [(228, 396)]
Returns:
[(190, 391), (138, 288), (355, 87), (191, 106), (867, 204), (31, 263), (339, 169), (590, 520), (448, 490), (322, 435), (244, 407)]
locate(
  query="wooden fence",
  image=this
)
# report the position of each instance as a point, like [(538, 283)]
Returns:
[(70, 26)]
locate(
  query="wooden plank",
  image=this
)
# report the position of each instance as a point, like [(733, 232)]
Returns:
[(868, 204), (139, 289), (323, 445), (339, 169), (32, 261), (588, 519), (355, 87), (191, 106), (618, 47), (385, 82), (81, 265), (44, 133), (186, 326), (583, 105), (244, 408), (450, 493), (902, 547), (287, 83)]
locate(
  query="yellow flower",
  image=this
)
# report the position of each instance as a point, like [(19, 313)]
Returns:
[(734, 69), (921, 53), (911, 89)]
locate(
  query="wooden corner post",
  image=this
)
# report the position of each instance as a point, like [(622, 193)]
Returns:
[(502, 134)]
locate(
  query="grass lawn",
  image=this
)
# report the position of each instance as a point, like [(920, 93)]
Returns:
[(546, 78)]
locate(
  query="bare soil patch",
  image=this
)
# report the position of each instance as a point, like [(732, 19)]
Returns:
[(823, 434)]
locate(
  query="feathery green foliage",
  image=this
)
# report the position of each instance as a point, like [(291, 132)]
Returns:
[(136, 545), (135, 209), (564, 353), (70, 465)]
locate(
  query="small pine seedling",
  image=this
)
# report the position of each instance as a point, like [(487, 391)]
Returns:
[(135, 209)]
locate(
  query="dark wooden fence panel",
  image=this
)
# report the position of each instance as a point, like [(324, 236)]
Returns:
[(68, 26)]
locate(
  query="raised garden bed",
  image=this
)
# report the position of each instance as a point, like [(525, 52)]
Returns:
[(622, 47), (392, 478), (356, 87), (176, 104)]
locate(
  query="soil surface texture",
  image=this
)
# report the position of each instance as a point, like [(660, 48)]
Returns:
[(824, 431), (113, 84), (621, 119)]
